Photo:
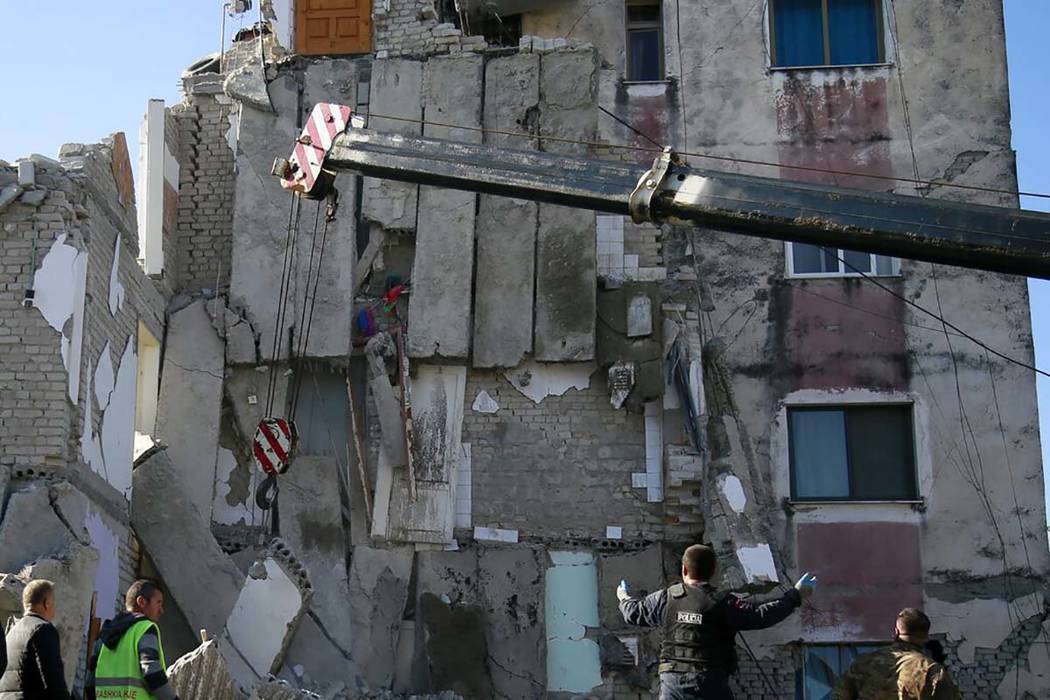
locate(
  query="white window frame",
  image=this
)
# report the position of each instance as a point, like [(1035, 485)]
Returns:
[(658, 26), (885, 40), (842, 271)]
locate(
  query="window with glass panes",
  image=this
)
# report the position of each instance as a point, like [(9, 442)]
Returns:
[(826, 32), (645, 46), (806, 260), (852, 453), (823, 665)]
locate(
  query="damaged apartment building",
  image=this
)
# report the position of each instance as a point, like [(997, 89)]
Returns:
[(503, 408)]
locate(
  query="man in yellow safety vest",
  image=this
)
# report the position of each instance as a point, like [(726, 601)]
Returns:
[(128, 661)]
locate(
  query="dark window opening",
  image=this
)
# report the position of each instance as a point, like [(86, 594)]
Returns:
[(498, 30), (827, 32), (852, 453), (645, 44)]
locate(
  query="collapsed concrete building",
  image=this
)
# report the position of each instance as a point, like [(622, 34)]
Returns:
[(503, 407)]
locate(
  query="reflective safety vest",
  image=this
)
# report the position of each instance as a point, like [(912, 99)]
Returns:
[(118, 675)]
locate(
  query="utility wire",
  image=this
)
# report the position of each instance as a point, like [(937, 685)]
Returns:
[(935, 316), (632, 128), (709, 156)]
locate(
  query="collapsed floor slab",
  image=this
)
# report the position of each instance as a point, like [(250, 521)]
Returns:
[(178, 538)]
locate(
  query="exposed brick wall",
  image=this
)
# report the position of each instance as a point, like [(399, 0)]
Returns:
[(412, 28), (203, 240), (34, 408), (558, 469), (78, 198)]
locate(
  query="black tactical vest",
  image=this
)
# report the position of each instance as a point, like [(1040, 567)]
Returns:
[(696, 635)]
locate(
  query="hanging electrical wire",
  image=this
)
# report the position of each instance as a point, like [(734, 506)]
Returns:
[(708, 156)]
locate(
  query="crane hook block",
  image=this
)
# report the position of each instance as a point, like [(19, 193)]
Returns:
[(303, 171)]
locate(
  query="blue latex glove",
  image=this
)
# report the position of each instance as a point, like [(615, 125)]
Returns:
[(623, 591), (806, 585)]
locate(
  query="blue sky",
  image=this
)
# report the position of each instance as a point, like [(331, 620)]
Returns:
[(75, 71)]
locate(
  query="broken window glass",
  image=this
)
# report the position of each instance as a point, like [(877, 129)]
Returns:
[(852, 453)]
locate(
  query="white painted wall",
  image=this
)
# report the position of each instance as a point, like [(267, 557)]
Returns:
[(151, 189)]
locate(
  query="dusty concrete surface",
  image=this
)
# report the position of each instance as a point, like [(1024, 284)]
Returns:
[(191, 391), (179, 559), (395, 90), (312, 525), (203, 673), (492, 600), (439, 310), (379, 591)]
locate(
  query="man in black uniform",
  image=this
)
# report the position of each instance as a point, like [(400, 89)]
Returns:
[(698, 653)]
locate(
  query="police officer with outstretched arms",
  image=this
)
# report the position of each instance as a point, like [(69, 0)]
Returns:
[(698, 652)]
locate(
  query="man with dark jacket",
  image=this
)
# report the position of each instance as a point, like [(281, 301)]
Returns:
[(34, 669), (128, 660), (700, 623), (905, 669)]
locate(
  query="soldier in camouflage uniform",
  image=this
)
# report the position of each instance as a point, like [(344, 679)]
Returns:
[(902, 670)]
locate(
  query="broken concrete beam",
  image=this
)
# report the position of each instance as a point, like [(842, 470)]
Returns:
[(379, 581), (190, 403), (203, 674), (395, 89), (41, 520), (566, 284), (178, 539), (569, 100), (265, 617), (388, 404), (248, 84), (506, 228), (311, 517)]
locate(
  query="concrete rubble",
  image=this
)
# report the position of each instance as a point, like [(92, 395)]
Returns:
[(545, 400)]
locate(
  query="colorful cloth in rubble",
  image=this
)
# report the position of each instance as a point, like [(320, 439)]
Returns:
[(901, 670)]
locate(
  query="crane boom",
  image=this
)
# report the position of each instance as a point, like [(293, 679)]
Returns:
[(998, 239)]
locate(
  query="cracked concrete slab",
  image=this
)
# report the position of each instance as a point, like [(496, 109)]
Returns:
[(265, 616), (311, 516), (177, 536), (41, 520), (379, 589), (496, 596), (190, 403)]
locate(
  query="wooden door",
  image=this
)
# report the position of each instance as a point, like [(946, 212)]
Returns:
[(327, 27)]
